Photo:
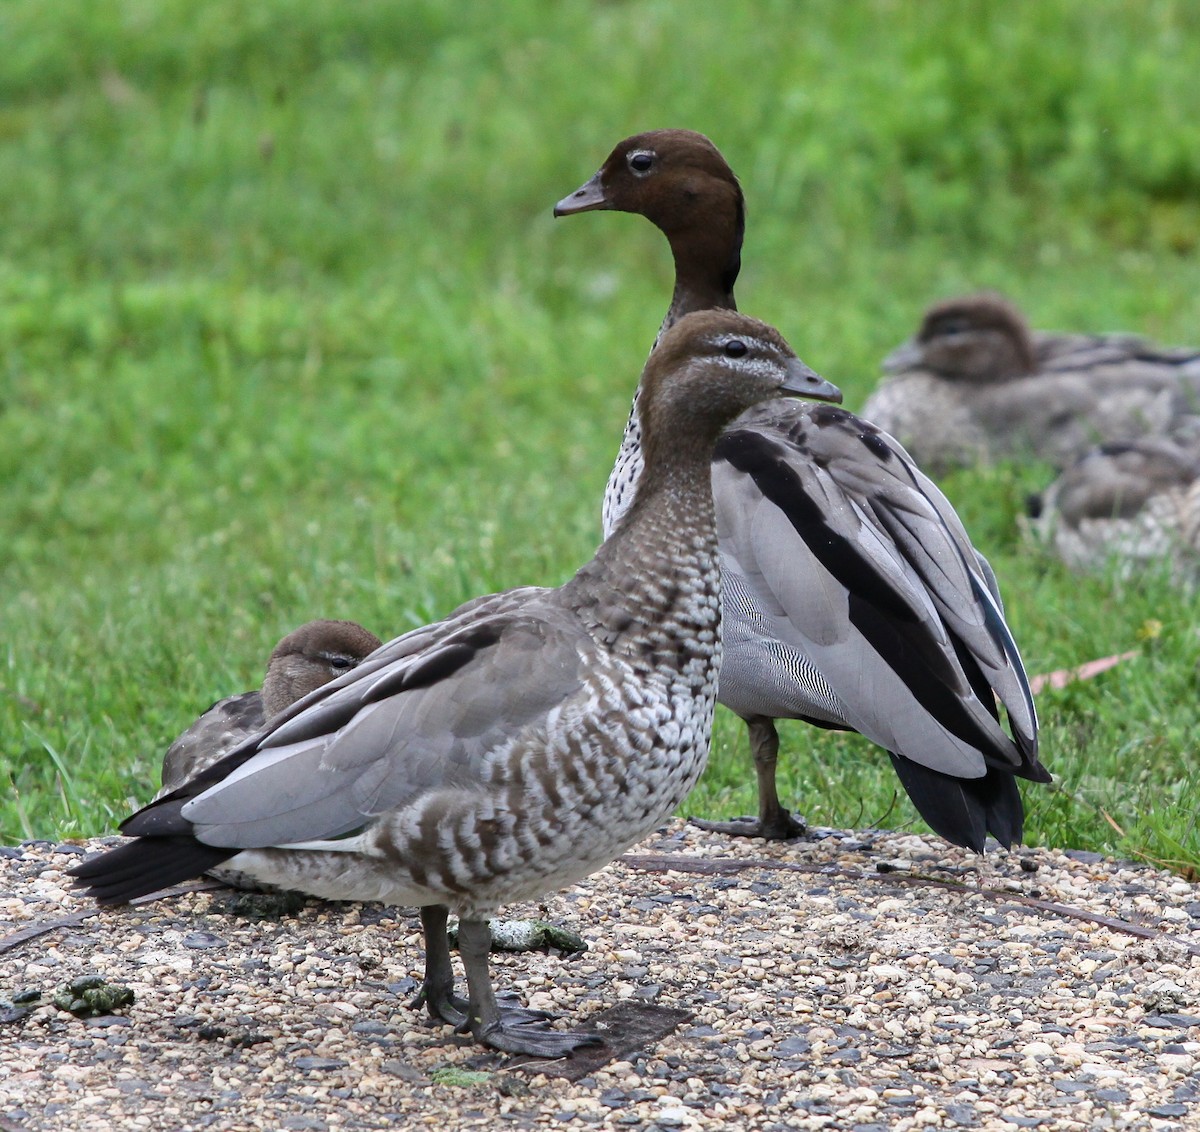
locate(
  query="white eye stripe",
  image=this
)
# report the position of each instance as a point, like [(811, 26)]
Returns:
[(756, 367)]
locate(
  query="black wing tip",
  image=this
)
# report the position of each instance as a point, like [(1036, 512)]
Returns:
[(143, 866), (964, 811)]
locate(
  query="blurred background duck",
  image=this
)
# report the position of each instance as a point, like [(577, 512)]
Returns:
[(975, 385), (1125, 507)]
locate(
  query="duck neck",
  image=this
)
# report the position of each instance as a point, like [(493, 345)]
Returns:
[(706, 269), (707, 263), (659, 569)]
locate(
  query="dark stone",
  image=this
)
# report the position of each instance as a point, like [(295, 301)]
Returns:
[(1170, 1021), (1166, 1110), (202, 941), (961, 1114), (370, 1026), (320, 1063)]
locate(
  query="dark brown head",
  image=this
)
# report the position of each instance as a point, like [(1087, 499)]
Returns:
[(708, 369), (311, 656), (679, 181), (977, 339)]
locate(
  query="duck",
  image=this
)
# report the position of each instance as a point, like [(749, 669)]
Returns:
[(515, 746), (302, 661), (854, 598), (1125, 506), (976, 385)]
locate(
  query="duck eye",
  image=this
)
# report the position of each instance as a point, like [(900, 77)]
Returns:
[(736, 348), (341, 663), (640, 161)]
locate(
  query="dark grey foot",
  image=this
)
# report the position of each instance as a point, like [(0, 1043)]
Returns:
[(784, 828), (532, 1038), (446, 1006)]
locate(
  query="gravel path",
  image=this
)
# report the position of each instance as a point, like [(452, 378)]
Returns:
[(853, 981)]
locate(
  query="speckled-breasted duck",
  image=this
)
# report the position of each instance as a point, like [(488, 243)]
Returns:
[(853, 596), (976, 384), (304, 660), (1126, 506), (514, 747)]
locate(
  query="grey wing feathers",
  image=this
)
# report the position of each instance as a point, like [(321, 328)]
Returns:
[(408, 720), (869, 576)]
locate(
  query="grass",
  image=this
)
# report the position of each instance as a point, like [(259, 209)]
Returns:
[(286, 330)]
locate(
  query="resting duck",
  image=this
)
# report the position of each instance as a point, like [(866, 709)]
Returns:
[(853, 596), (1128, 505), (514, 747), (976, 385), (304, 660)]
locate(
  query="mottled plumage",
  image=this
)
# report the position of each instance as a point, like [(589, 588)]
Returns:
[(853, 596), (976, 385), (1128, 507), (516, 746)]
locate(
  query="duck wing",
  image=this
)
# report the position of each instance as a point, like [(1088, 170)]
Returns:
[(425, 720), (866, 578)]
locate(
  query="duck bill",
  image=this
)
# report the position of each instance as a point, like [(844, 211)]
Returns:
[(907, 356), (804, 382), (586, 198)]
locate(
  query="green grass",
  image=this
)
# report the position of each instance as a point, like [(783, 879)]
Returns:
[(286, 330)]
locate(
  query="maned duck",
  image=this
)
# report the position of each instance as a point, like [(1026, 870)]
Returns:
[(307, 658), (516, 746), (976, 385), (853, 596), (1126, 506)]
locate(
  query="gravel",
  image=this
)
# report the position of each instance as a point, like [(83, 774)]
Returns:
[(854, 981)]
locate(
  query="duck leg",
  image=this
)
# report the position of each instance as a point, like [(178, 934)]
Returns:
[(774, 822), (437, 989), (496, 1026)]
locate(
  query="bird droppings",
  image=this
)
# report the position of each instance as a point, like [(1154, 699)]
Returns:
[(528, 935), (459, 1078), (90, 996), (823, 995)]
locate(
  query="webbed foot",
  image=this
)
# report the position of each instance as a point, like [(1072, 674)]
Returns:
[(784, 827), (532, 1038)]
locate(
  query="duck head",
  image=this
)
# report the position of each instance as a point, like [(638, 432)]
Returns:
[(311, 656), (975, 339), (708, 369), (679, 181)]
